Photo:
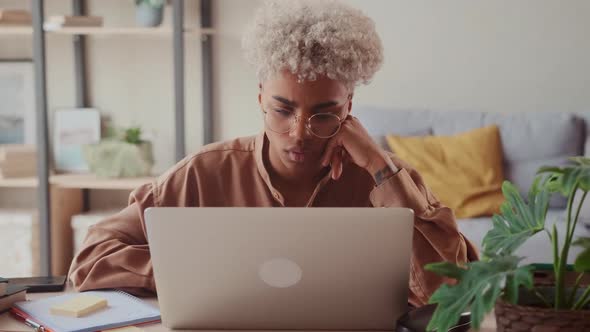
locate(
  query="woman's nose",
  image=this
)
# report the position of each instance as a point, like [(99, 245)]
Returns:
[(299, 128)]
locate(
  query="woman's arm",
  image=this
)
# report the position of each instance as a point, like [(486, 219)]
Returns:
[(436, 235), (115, 253)]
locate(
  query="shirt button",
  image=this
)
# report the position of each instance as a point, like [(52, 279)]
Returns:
[(276, 195)]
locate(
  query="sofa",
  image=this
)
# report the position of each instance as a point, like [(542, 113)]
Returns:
[(529, 140)]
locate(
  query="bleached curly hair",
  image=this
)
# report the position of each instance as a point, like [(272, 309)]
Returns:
[(312, 38)]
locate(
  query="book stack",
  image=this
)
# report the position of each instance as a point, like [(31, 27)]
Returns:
[(17, 160), (15, 17), (10, 294), (63, 21)]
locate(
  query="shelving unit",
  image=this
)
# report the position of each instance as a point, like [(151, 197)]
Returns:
[(16, 31), (79, 181), (31, 182), (106, 31), (63, 195)]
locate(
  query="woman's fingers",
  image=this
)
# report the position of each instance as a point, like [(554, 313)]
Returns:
[(336, 164), (338, 160), (329, 151)]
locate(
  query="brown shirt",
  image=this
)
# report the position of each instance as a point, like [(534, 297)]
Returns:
[(116, 252)]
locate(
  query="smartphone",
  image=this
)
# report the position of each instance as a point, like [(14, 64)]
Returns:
[(40, 284)]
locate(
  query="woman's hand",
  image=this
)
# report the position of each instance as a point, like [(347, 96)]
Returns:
[(354, 143)]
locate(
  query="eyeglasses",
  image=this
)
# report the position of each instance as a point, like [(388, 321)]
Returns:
[(322, 125)]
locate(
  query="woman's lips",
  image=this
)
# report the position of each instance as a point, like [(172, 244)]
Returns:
[(296, 155)]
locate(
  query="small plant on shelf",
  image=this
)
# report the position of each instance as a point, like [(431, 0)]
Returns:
[(123, 153), (149, 13)]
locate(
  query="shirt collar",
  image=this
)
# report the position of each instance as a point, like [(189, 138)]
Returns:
[(259, 143)]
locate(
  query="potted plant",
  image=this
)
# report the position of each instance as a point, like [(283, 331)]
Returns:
[(149, 13), (502, 282), (123, 154)]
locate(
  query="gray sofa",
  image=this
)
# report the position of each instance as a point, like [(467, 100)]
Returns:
[(529, 140)]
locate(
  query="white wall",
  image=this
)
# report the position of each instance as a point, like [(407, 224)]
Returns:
[(492, 55)]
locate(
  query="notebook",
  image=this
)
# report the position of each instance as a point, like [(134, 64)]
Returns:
[(123, 310)]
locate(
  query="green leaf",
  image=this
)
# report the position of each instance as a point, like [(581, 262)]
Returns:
[(522, 276), (518, 220), (554, 183), (582, 263), (446, 269), (133, 135), (584, 183), (479, 287), (583, 242), (549, 169), (563, 179), (582, 161)]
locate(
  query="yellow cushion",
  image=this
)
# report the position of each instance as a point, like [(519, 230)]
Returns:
[(463, 171)]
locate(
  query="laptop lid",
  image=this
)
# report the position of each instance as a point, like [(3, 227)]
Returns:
[(281, 268)]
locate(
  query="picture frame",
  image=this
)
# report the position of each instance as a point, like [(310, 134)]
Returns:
[(17, 109), (74, 128)]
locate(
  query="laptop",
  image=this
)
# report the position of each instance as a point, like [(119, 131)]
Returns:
[(281, 268)]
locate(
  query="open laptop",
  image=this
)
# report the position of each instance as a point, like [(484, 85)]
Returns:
[(281, 268)]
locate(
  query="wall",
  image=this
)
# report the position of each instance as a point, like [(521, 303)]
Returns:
[(492, 55)]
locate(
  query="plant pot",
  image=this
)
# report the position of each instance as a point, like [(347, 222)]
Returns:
[(148, 16), (117, 159), (527, 316)]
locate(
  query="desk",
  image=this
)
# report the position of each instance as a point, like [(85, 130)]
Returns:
[(9, 324)]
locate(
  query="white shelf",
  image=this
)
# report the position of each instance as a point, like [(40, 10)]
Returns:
[(19, 183), (81, 181), (106, 31), (15, 30), (91, 181)]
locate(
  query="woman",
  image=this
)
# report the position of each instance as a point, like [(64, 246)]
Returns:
[(309, 56)]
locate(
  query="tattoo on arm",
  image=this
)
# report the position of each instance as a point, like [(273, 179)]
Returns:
[(383, 174)]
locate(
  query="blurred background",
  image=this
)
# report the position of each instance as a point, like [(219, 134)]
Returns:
[(100, 96)]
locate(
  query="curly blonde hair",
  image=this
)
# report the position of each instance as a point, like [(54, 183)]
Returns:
[(312, 38)]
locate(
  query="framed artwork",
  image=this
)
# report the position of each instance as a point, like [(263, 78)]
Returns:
[(17, 102), (74, 128)]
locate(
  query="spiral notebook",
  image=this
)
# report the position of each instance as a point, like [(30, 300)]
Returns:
[(123, 310)]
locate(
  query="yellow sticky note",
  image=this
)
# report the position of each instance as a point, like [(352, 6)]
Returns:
[(126, 329), (79, 306)]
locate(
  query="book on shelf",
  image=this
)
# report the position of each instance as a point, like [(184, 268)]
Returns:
[(15, 17), (17, 160), (17, 173), (19, 152), (14, 293), (62, 21)]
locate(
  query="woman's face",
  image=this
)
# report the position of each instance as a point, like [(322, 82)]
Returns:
[(298, 151)]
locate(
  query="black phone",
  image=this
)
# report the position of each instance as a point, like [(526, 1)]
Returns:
[(40, 284)]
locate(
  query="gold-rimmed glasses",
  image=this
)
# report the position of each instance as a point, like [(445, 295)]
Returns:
[(322, 125)]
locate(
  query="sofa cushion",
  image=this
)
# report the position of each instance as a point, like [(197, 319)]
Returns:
[(464, 171), (382, 139), (529, 141)]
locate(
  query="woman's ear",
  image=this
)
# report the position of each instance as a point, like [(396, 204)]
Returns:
[(350, 102)]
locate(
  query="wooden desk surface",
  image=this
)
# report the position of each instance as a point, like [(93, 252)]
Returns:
[(9, 324)]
